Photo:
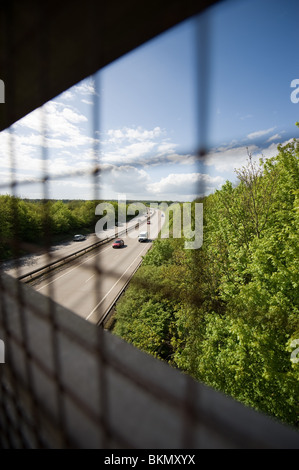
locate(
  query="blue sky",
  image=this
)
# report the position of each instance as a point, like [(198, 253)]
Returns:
[(148, 111)]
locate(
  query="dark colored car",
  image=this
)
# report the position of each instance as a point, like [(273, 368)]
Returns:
[(118, 243), (148, 221), (79, 238)]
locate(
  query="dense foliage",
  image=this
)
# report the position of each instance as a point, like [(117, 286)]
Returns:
[(227, 313)]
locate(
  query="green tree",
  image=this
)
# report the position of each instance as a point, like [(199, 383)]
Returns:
[(230, 309)]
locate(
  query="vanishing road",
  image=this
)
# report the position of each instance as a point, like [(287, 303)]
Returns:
[(89, 285)]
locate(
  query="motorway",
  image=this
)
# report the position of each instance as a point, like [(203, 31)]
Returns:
[(89, 285), (28, 263)]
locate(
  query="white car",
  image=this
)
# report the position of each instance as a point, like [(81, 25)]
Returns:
[(142, 237), (79, 238)]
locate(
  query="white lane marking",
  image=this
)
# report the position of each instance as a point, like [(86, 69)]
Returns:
[(89, 278), (97, 306), (69, 271)]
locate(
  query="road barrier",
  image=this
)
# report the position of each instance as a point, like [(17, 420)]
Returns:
[(58, 262), (106, 315)]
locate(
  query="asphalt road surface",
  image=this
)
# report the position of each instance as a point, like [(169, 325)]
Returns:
[(89, 285), (31, 262)]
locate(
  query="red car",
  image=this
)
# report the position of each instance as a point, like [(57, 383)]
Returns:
[(118, 243)]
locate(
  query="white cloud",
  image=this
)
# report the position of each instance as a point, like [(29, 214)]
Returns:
[(86, 87), (67, 95), (183, 184), (125, 179), (225, 159), (261, 133), (274, 137), (87, 102), (118, 136), (73, 117), (142, 147), (271, 150), (27, 145), (166, 147), (58, 121), (134, 145), (138, 152), (182, 159)]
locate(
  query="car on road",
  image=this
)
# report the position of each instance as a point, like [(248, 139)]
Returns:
[(118, 243), (79, 238), (142, 237), (148, 221)]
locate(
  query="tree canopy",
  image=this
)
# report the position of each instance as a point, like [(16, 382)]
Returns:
[(228, 312)]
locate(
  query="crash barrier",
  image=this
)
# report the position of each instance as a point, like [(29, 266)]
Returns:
[(27, 277), (106, 315)]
